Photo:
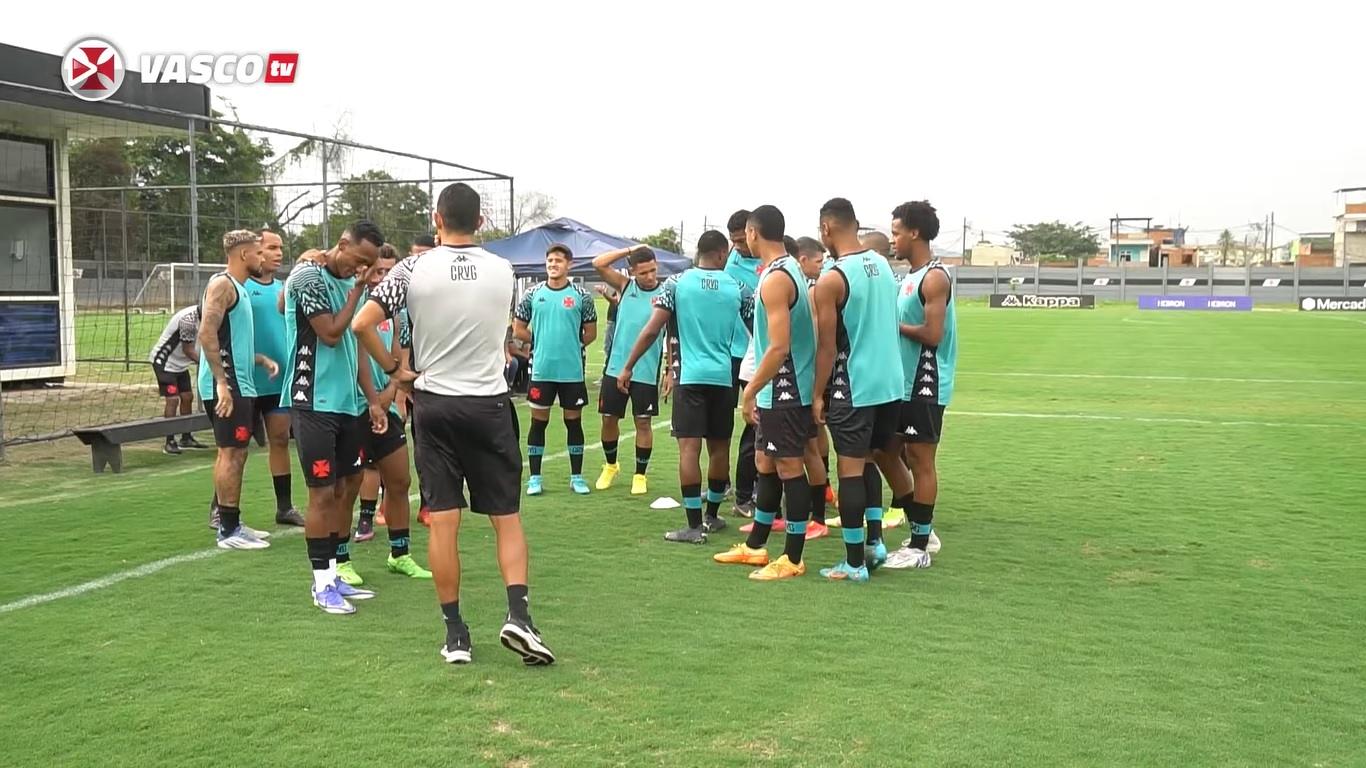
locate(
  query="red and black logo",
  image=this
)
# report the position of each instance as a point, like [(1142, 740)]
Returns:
[(322, 468), (242, 434)]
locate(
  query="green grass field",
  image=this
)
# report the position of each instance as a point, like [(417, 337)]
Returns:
[(1152, 529)]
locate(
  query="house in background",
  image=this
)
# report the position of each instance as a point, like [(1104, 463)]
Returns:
[(986, 254), (1311, 249), (1349, 235), (1150, 246)]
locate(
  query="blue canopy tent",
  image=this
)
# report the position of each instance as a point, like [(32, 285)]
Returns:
[(527, 250)]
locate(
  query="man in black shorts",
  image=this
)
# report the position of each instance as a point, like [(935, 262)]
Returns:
[(457, 297), (698, 305), (227, 353), (171, 357)]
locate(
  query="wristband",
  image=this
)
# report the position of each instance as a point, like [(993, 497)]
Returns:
[(392, 371)]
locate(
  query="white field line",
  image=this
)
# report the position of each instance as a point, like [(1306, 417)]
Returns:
[(159, 565), (1150, 419), (1136, 377)]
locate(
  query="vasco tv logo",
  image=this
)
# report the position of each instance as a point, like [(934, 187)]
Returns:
[(93, 69)]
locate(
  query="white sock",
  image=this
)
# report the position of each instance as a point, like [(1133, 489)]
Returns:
[(321, 579)]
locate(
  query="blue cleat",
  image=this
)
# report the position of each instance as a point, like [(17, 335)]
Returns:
[(331, 601), (844, 572), (349, 592), (875, 555), (577, 483), (533, 486)]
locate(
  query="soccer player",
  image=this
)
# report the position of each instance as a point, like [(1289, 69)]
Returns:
[(634, 305), (876, 242), (227, 352), (421, 244), (385, 455), (744, 266), (929, 357), (171, 357), (558, 318), (857, 332), (324, 386), (780, 392), (457, 297), (695, 306), (269, 334)]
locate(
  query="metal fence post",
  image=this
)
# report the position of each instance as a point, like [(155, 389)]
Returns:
[(995, 278), (1247, 275), (431, 199), (194, 222), (1165, 267), (1346, 272), (1081, 268), (1123, 280), (127, 322), (1297, 281), (1037, 265), (1211, 279), (327, 236)]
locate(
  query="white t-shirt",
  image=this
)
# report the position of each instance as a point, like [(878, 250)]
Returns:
[(747, 363), (169, 353), (458, 300)]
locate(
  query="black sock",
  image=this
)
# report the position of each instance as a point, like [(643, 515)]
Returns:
[(609, 450), (535, 446), (228, 519), (398, 542), (872, 487), (692, 503), (852, 504), (922, 522), (643, 459), (451, 613), (818, 503), (768, 495), (283, 498), (746, 475), (716, 493), (343, 547), (574, 428), (319, 553), (170, 439), (367, 508), (797, 504), (518, 604), (186, 436)]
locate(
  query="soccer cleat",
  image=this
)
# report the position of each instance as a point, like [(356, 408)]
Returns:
[(263, 535), (533, 486), (739, 554), (608, 476), (934, 546), (833, 522), (578, 485), (778, 525), (895, 516), (779, 570), (457, 648), (289, 516), (640, 485), (743, 509), (213, 518), (875, 555), (331, 601), (241, 538), (365, 529), (521, 638), (906, 558), (347, 572), (424, 516), (829, 494), (845, 572), (815, 530), (188, 441), (687, 536), (349, 591), (170, 448), (407, 566), (713, 524)]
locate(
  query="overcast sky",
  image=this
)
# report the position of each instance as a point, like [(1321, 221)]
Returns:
[(640, 115)]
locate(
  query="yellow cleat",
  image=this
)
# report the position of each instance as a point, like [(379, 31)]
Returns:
[(740, 554), (639, 485), (895, 516), (608, 476), (779, 569)]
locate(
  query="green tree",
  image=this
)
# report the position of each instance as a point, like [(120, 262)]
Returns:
[(665, 240), (1054, 240), (1226, 246)]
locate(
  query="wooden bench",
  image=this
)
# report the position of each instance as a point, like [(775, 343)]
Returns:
[(106, 442)]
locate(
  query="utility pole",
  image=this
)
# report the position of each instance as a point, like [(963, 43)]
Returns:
[(1271, 238), (966, 255)]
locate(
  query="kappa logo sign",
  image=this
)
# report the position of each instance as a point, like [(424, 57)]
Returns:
[(1032, 301), (93, 69), (1332, 304)]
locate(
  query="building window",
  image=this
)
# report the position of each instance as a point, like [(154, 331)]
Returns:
[(26, 167), (28, 249)]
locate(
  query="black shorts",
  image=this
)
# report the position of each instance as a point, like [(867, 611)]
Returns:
[(468, 440), (784, 432), (704, 410), (173, 384), (740, 384), (268, 405), (376, 448), (857, 431), (612, 401), (236, 430), (328, 444), (573, 395), (921, 421)]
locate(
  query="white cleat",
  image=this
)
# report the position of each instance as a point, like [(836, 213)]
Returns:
[(932, 548), (906, 557), (241, 538)]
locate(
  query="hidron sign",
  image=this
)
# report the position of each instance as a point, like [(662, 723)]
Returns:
[(93, 69), (1202, 303), (1332, 304)]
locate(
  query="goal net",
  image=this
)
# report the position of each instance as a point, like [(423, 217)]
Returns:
[(172, 287)]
